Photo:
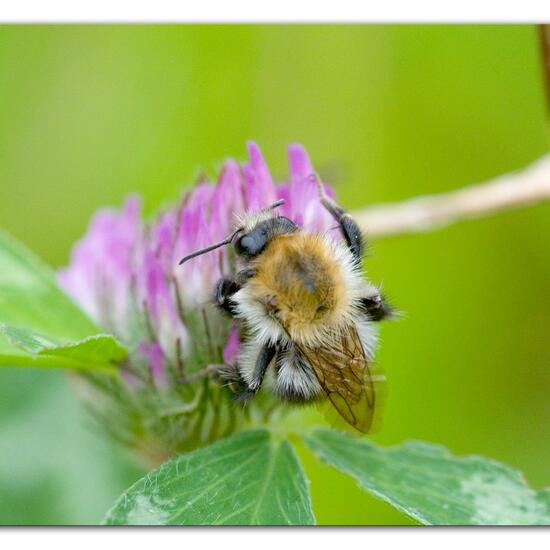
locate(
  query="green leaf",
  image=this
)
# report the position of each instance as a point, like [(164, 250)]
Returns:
[(31, 298), (40, 326), (247, 479), (29, 349), (426, 482)]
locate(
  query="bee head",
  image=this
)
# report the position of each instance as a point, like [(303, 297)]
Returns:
[(252, 240), (259, 228)]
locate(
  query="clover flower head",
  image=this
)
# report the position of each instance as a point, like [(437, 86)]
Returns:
[(124, 273)]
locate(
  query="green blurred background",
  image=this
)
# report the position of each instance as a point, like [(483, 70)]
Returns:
[(90, 113)]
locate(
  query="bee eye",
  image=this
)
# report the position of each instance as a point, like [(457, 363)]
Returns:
[(252, 243)]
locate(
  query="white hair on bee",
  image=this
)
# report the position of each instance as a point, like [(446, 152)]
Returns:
[(368, 335), (296, 380), (248, 355), (263, 328), (249, 219)]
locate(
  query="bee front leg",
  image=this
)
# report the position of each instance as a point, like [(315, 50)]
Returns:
[(226, 287), (376, 307), (350, 230), (266, 355)]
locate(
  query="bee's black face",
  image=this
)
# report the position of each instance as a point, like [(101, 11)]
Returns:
[(252, 243)]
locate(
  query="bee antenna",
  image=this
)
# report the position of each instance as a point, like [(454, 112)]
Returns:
[(276, 204), (226, 241)]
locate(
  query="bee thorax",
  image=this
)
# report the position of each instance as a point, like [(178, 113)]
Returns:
[(299, 284)]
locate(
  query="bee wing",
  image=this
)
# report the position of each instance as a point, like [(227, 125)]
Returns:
[(344, 372)]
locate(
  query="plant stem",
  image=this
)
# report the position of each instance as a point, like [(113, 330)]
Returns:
[(509, 191)]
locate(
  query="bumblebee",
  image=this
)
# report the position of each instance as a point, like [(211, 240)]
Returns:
[(307, 311)]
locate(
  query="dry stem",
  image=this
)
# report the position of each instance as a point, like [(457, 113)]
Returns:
[(526, 187)]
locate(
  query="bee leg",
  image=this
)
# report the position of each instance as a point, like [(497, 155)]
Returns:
[(262, 362), (350, 230), (231, 377), (227, 286), (245, 274), (376, 307)]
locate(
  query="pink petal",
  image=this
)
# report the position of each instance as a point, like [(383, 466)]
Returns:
[(227, 200), (231, 349), (153, 354), (259, 188), (299, 164)]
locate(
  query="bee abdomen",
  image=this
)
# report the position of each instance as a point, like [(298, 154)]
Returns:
[(295, 379)]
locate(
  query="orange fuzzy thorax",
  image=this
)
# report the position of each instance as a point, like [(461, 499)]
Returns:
[(300, 283)]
